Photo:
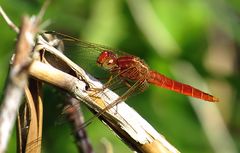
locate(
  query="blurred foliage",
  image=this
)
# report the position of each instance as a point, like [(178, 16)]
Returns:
[(195, 26)]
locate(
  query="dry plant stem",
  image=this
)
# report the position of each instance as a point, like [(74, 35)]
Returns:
[(125, 122), (34, 126), (75, 117), (43, 10), (9, 22), (32, 134), (17, 80)]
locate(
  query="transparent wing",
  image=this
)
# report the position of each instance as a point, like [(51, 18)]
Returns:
[(140, 84), (83, 44), (84, 53)]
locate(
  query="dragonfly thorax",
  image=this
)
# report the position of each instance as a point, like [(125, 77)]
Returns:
[(133, 68)]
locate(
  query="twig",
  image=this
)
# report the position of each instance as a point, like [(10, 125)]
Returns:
[(75, 117), (9, 22), (123, 120), (17, 81), (42, 11)]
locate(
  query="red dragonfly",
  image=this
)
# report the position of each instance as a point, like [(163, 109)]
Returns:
[(129, 69), (135, 69)]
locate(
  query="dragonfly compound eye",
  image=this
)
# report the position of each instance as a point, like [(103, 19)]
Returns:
[(107, 59)]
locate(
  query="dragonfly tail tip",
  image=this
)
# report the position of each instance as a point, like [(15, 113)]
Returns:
[(215, 99)]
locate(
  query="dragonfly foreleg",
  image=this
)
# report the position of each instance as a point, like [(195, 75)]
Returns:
[(127, 83)]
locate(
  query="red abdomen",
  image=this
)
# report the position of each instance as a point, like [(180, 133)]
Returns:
[(162, 81)]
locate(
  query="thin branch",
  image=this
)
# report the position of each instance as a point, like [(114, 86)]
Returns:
[(75, 117), (9, 22), (43, 10), (123, 120), (17, 81)]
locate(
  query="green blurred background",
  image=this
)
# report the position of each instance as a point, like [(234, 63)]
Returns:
[(194, 41)]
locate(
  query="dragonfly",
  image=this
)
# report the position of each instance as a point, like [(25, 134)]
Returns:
[(129, 70), (135, 69)]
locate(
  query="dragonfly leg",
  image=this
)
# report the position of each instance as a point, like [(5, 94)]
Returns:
[(127, 83), (96, 89), (109, 80), (141, 88), (105, 86)]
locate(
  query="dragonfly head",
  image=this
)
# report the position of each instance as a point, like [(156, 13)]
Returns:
[(107, 60)]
